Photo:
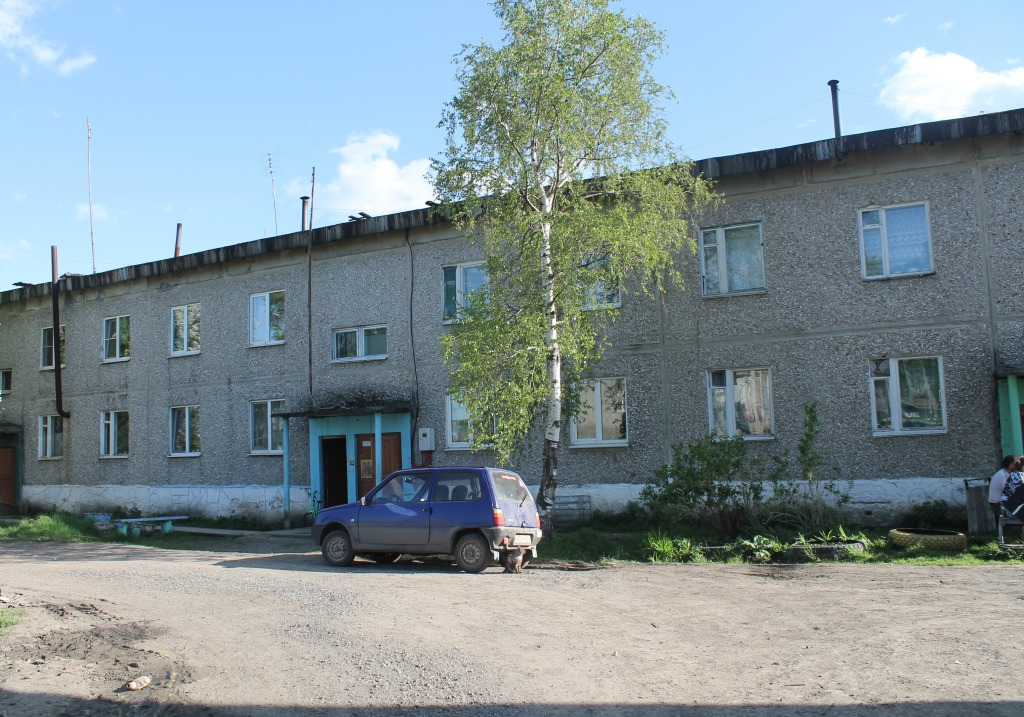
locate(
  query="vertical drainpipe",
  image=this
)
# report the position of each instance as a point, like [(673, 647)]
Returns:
[(834, 84), (58, 387), (287, 481)]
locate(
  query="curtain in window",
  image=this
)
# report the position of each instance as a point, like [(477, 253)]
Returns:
[(920, 393), (906, 229), (743, 258), (753, 402)]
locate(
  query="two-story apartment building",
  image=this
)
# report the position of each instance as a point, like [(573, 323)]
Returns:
[(880, 278)]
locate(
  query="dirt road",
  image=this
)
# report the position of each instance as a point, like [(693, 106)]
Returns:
[(282, 634)]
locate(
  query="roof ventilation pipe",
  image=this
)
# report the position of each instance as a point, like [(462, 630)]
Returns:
[(834, 84)]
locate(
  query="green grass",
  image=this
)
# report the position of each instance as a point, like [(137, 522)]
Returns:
[(9, 617), (66, 528)]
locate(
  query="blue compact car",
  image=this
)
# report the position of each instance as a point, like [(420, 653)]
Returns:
[(474, 514)]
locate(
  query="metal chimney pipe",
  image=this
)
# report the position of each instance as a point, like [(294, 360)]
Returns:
[(834, 84), (305, 204), (177, 242)]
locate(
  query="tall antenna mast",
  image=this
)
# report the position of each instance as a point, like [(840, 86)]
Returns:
[(273, 189), (88, 164)]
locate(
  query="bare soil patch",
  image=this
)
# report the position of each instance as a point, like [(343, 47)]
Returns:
[(278, 632)]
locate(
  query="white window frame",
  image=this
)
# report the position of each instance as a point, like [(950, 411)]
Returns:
[(597, 295), (460, 288), (722, 260), (892, 391), (882, 227), (110, 423), (466, 445), (267, 407), (6, 380), (361, 355), (599, 441), (115, 340), (256, 323), (190, 415), (187, 311), (48, 431), (452, 444), (43, 366), (729, 388)]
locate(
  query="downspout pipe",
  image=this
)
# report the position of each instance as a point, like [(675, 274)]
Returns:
[(834, 84), (55, 295), (287, 481)]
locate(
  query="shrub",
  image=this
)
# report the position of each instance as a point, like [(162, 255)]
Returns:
[(704, 483), (663, 549), (761, 549)]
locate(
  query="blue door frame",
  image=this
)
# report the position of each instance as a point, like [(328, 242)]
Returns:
[(350, 427)]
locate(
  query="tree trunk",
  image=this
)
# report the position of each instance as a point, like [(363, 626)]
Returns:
[(552, 431)]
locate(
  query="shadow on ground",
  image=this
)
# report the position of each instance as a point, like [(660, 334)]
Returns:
[(43, 704)]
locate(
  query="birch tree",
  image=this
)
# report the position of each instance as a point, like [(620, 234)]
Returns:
[(556, 162)]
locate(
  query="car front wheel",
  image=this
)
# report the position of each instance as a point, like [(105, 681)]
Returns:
[(337, 549), (472, 553)]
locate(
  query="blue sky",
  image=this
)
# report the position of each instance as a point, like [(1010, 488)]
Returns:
[(189, 101)]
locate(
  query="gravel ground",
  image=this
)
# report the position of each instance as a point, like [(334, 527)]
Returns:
[(271, 630)]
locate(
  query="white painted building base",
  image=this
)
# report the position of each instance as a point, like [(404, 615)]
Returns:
[(872, 502), (265, 503)]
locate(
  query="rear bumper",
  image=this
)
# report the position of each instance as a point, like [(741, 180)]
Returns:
[(510, 538)]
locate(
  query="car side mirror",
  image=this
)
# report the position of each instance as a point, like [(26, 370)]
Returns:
[(362, 501)]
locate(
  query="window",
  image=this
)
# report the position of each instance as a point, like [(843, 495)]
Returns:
[(907, 396), (266, 434), (366, 342), (895, 241), (46, 352), (117, 338), (114, 433), (460, 281), (51, 437), (602, 416), (602, 295), (460, 433), (266, 318), (185, 330), (404, 488), (6, 375), (732, 260), (185, 431), (740, 403), (458, 425)]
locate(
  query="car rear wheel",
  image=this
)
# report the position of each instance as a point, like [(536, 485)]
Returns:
[(384, 557), (472, 553), (337, 549)]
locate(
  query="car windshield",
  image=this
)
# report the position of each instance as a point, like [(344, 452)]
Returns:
[(405, 488), (509, 486)]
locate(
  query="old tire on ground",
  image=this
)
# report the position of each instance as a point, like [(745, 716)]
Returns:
[(337, 549), (927, 538), (472, 553), (383, 558)]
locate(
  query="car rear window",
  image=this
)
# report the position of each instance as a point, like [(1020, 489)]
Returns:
[(509, 486)]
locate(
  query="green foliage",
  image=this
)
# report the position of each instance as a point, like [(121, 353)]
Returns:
[(663, 549), (708, 481), (50, 526), (588, 544), (812, 502), (9, 617), (761, 548), (556, 161)]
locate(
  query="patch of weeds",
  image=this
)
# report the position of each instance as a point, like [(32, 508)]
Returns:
[(9, 617), (663, 549), (60, 527), (930, 514), (761, 549), (590, 545)]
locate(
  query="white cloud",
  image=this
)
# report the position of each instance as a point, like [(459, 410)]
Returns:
[(369, 181), (893, 19), (27, 49), (99, 212), (806, 123), (19, 197), (946, 26), (930, 86)]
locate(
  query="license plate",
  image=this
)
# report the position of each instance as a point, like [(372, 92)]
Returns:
[(522, 540)]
